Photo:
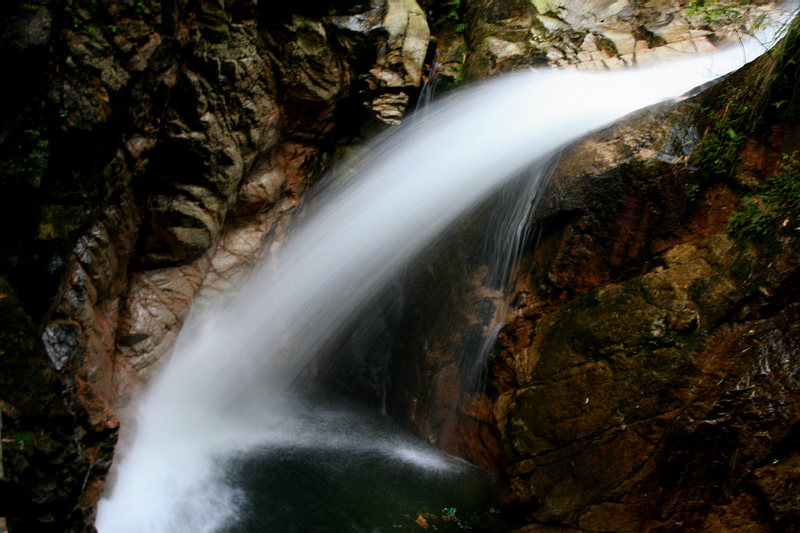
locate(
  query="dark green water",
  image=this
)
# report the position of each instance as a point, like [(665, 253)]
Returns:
[(354, 482)]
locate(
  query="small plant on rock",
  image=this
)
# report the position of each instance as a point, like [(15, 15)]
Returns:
[(737, 14), (774, 208)]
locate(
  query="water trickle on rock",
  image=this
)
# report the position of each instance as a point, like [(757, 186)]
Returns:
[(231, 388)]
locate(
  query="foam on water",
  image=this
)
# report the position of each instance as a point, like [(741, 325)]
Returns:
[(419, 458), (226, 388)]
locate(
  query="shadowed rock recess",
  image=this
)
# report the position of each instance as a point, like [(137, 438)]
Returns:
[(646, 376)]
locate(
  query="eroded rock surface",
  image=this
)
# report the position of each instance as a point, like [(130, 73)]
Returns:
[(51, 427), (157, 146), (597, 35), (642, 392), (646, 380)]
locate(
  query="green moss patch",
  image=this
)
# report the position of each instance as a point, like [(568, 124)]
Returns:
[(774, 209)]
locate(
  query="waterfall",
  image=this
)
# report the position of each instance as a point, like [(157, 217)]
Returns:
[(230, 386)]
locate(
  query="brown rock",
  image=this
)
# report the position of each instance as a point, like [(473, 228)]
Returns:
[(779, 483), (651, 394)]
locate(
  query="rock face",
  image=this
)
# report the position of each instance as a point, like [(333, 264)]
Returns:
[(47, 431), (400, 59), (595, 35), (155, 146), (647, 377), (472, 39)]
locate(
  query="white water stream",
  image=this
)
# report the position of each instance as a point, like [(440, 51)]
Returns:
[(225, 390)]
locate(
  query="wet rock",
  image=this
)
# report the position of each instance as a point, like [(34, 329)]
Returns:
[(33, 28), (314, 75), (151, 319), (648, 392), (207, 146), (390, 108), (54, 440), (779, 483), (599, 35), (60, 341), (641, 376), (398, 68), (611, 369), (219, 156), (742, 514), (149, 151)]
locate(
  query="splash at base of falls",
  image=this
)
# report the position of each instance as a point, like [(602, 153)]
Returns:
[(373, 478), (327, 464), (313, 490), (227, 393)]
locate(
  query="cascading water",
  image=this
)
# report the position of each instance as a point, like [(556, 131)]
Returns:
[(231, 386)]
